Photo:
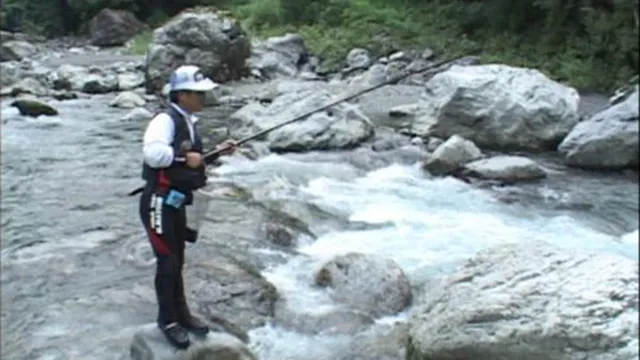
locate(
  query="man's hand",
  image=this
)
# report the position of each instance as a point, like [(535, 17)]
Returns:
[(194, 159), (228, 147)]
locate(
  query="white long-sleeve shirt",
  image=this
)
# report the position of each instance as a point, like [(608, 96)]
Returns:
[(157, 148)]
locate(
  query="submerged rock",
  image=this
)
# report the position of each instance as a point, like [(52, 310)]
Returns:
[(150, 344), (530, 301), (367, 283), (505, 168)]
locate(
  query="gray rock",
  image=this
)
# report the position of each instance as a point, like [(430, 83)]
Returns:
[(114, 27), (451, 155), (16, 50), (505, 168), (498, 107), (212, 41), (358, 59), (340, 127), (150, 344), (368, 283), (33, 107), (10, 73), (278, 56), (100, 84), (127, 100), (530, 301), (29, 86), (138, 114), (608, 140), (130, 80), (228, 291), (434, 143), (382, 342)]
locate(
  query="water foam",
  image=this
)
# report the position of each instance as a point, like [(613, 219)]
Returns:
[(428, 227)]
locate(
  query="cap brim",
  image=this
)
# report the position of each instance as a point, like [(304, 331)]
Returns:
[(200, 86)]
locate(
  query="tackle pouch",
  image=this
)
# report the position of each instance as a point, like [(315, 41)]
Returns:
[(175, 199)]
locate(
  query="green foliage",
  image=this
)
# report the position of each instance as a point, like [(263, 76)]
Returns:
[(593, 44)]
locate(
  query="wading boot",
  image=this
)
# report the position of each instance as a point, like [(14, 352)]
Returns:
[(195, 325), (176, 335)]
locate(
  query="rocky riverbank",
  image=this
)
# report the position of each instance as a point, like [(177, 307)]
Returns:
[(264, 265)]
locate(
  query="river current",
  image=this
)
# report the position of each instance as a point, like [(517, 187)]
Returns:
[(71, 237)]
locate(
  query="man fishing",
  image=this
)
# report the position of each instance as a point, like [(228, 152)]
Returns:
[(173, 169)]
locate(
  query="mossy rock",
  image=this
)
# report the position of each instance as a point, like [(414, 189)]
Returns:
[(34, 108)]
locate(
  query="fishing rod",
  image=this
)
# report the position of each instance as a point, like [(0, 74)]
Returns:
[(215, 153)]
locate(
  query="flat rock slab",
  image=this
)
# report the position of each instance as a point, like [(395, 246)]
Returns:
[(150, 344)]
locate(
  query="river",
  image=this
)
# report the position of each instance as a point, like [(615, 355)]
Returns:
[(75, 263)]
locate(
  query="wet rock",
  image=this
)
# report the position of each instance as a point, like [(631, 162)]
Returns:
[(451, 155), (433, 143), (150, 344), (127, 100), (223, 287), (505, 168), (499, 107), (278, 56), (100, 84), (138, 114), (129, 81), (530, 301), (67, 76), (64, 95), (368, 283), (16, 50), (340, 127), (385, 141), (212, 41), (321, 321), (608, 140), (382, 342), (29, 86), (114, 27), (33, 108), (10, 71)]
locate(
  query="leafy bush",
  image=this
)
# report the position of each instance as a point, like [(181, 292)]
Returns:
[(591, 44)]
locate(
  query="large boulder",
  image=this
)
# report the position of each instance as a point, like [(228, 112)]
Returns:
[(342, 126), (201, 37), (114, 27), (530, 301), (608, 140), (498, 107), (367, 283)]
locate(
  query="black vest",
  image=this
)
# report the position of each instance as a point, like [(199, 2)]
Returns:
[(178, 175)]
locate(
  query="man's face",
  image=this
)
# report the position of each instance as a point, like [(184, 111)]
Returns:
[(192, 101)]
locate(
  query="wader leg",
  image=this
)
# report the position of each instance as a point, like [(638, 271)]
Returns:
[(162, 224)]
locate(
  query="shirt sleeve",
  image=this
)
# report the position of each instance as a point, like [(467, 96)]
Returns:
[(157, 149)]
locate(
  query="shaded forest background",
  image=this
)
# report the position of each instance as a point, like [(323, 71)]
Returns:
[(592, 44)]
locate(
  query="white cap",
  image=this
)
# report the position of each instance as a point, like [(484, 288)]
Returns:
[(189, 78)]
